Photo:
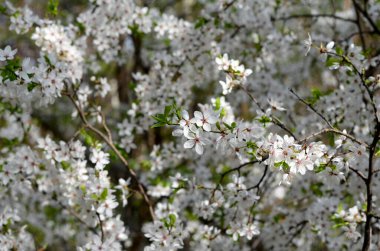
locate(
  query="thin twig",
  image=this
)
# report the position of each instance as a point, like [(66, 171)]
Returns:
[(336, 131), (275, 120), (101, 226), (360, 174), (311, 107), (108, 140), (366, 15), (261, 179), (315, 16)]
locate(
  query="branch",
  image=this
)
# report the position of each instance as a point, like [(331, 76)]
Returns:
[(334, 130), (359, 25), (366, 15), (109, 141), (260, 181), (312, 108), (368, 227), (360, 174), (362, 80), (234, 170), (315, 16), (237, 169), (275, 120), (101, 226), (92, 229)]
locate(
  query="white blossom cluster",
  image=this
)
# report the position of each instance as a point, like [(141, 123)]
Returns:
[(115, 135)]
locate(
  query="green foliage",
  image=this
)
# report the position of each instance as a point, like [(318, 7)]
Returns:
[(333, 61), (52, 8), (3, 9), (87, 138), (201, 22), (320, 168), (103, 195), (51, 212), (163, 119), (230, 127), (37, 233), (8, 72), (316, 188), (65, 165), (32, 85), (285, 167), (170, 221), (217, 104), (316, 95), (264, 120)]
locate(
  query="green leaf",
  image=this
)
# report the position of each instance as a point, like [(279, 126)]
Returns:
[(159, 124), (339, 51), (223, 113), (168, 108), (264, 119), (3, 9), (9, 70), (52, 8), (88, 140), (201, 21), (51, 212), (218, 126), (285, 167), (377, 154), (217, 104), (320, 168), (65, 165), (332, 61), (32, 85), (172, 219), (83, 188), (81, 27), (316, 188), (104, 194)]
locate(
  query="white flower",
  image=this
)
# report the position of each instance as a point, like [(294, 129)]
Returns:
[(105, 209), (195, 139), (103, 87), (229, 84), (249, 231), (205, 209), (276, 105), (308, 43), (330, 46), (223, 63), (237, 184), (234, 230), (7, 53), (185, 123), (350, 232), (123, 186), (99, 158), (301, 163), (204, 120)]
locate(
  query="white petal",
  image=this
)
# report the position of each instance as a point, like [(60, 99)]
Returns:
[(247, 72), (330, 45), (207, 127), (198, 115), (199, 149), (189, 144), (185, 114)]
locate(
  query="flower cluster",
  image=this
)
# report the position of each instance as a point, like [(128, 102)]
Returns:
[(236, 73), (92, 93)]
